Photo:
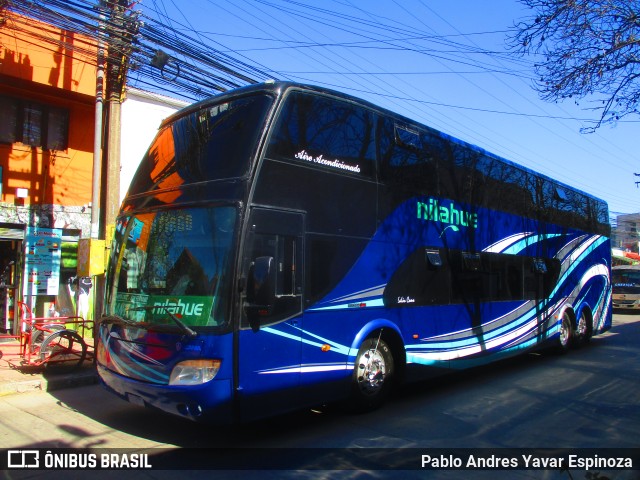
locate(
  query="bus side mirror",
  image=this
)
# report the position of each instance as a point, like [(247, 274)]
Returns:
[(261, 292)]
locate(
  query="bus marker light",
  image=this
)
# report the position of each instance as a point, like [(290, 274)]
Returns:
[(325, 347), (416, 336)]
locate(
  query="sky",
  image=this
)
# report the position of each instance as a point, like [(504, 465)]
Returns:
[(444, 63)]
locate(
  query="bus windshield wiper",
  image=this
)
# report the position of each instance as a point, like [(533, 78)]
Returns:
[(185, 329), (110, 319)]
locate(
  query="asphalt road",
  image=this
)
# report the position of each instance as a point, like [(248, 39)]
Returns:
[(588, 398)]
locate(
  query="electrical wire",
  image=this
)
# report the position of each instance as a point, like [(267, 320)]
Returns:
[(200, 64)]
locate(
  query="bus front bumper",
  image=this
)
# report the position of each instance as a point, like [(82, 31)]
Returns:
[(623, 303), (210, 402)]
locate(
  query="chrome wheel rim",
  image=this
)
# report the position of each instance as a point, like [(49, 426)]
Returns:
[(582, 325), (565, 328), (371, 372)]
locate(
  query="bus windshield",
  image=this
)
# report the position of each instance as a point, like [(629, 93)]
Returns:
[(626, 280), (215, 142), (173, 264)]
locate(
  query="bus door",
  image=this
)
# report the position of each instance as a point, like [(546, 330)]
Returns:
[(269, 354)]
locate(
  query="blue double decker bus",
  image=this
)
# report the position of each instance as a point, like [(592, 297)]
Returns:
[(283, 246)]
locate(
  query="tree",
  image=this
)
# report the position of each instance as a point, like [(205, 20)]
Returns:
[(588, 49)]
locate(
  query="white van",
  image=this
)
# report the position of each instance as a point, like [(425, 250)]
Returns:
[(626, 286)]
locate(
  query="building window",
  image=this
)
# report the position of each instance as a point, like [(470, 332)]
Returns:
[(34, 124)]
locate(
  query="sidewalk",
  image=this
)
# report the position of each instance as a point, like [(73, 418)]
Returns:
[(21, 379)]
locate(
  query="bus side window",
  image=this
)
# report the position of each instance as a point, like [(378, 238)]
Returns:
[(540, 277), (407, 167), (422, 279), (469, 277), (506, 276), (323, 133)]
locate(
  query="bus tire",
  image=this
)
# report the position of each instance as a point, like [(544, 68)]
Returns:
[(565, 338), (372, 374), (583, 329)]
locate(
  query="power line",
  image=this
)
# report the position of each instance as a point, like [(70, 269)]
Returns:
[(197, 64), (203, 70)]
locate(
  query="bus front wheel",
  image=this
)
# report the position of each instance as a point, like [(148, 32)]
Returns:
[(372, 374)]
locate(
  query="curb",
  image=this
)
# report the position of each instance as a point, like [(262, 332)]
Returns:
[(47, 382)]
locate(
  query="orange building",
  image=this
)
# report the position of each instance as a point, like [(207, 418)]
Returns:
[(47, 105)]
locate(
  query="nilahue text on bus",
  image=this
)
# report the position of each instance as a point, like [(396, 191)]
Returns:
[(284, 246)]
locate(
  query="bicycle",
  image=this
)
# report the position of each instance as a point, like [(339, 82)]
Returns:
[(47, 342)]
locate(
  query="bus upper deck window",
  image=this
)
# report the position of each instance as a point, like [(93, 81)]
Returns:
[(407, 138), (561, 194)]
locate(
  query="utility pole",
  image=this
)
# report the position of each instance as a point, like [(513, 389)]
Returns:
[(121, 26), (97, 137)]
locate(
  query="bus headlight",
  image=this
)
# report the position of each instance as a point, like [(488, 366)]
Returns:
[(194, 372)]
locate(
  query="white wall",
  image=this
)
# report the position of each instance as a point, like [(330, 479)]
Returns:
[(142, 113)]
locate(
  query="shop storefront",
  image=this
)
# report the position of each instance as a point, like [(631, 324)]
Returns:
[(39, 275), (11, 242)]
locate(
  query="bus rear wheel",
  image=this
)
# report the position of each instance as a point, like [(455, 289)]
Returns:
[(372, 374), (583, 329)]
